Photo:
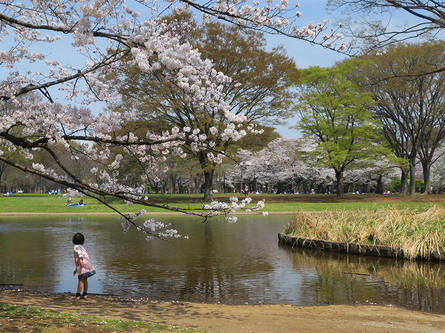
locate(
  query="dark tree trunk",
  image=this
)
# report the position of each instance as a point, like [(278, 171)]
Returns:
[(426, 167), (197, 183), (412, 176), (379, 188), (173, 182), (2, 169), (365, 188), (340, 183), (208, 184), (404, 182)]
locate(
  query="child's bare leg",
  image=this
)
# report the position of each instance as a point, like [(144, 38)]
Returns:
[(85, 285), (79, 286)]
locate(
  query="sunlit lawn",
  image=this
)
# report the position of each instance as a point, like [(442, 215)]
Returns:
[(23, 319), (44, 203)]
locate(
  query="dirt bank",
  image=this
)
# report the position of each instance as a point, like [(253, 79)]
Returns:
[(239, 318)]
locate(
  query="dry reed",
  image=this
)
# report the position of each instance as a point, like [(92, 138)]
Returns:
[(416, 232)]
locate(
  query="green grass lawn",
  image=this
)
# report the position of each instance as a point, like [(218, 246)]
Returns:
[(44, 203), (24, 318)]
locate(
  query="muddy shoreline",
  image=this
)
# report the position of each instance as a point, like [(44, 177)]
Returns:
[(236, 318)]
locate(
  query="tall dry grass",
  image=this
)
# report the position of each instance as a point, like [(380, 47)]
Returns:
[(416, 232)]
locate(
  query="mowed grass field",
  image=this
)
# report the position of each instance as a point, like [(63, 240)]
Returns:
[(275, 203)]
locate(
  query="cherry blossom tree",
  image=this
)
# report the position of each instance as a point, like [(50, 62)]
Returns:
[(279, 166), (56, 52), (377, 174), (288, 165), (261, 90), (276, 163)]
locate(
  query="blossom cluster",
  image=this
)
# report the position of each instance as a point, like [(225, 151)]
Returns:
[(216, 208), (275, 16), (151, 228)]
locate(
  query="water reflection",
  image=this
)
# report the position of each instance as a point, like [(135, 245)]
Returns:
[(358, 279), (27, 256), (210, 267), (227, 263)]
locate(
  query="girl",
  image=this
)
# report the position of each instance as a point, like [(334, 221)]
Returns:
[(84, 267)]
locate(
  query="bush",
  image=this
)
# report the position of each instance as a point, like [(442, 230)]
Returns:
[(394, 185)]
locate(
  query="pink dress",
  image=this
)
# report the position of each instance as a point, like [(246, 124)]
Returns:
[(87, 268)]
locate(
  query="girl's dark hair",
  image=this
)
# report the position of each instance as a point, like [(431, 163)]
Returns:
[(78, 239)]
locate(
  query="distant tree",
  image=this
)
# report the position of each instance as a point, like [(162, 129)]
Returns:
[(276, 166), (336, 113), (260, 90), (3, 167), (410, 107), (379, 172)]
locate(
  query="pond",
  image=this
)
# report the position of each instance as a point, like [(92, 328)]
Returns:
[(220, 263)]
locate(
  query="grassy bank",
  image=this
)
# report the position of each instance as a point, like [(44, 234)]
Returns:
[(415, 231), (24, 318), (44, 203)]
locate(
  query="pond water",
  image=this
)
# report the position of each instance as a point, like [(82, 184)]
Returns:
[(227, 263)]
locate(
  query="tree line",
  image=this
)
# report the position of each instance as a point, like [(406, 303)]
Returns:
[(366, 117)]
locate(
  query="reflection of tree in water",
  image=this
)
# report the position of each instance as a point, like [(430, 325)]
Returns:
[(205, 274), (216, 264), (30, 253), (351, 279), (226, 269)]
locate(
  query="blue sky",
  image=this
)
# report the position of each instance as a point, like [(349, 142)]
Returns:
[(304, 53)]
